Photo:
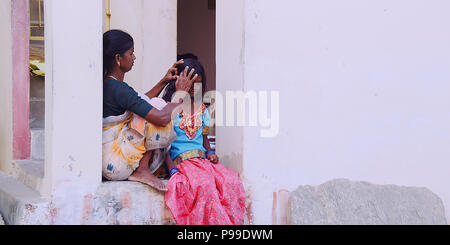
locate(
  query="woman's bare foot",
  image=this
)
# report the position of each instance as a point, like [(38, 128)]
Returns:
[(148, 179)]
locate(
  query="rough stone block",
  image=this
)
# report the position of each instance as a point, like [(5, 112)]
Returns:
[(127, 203), (343, 202)]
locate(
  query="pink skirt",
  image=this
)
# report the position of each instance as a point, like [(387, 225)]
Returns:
[(203, 193)]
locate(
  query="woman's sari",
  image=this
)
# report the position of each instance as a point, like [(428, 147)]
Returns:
[(126, 138)]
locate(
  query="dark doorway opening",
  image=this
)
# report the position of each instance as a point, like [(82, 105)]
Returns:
[(197, 35)]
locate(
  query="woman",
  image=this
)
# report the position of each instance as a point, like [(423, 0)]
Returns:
[(201, 191), (133, 125)]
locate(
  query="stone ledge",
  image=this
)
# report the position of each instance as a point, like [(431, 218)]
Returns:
[(19, 203), (127, 203), (113, 203)]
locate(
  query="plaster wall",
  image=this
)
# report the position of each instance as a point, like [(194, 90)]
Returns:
[(363, 92), (230, 46), (21, 80), (73, 88), (153, 25), (6, 87)]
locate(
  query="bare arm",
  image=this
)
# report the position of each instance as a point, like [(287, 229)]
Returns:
[(163, 117), (170, 75), (212, 157), (169, 162), (155, 91), (206, 143)]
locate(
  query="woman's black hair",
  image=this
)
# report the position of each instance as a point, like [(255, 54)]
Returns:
[(114, 42), (191, 61)]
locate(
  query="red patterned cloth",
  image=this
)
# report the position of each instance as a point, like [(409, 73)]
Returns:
[(203, 193)]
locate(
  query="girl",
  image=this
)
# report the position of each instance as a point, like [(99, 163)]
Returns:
[(201, 191)]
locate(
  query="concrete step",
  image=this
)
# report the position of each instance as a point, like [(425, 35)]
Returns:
[(19, 204), (38, 144), (29, 172), (37, 102), (37, 113), (37, 87)]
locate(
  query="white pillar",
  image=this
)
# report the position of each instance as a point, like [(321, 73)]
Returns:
[(74, 99), (6, 87)]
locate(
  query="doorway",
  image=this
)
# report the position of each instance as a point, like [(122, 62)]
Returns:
[(197, 35)]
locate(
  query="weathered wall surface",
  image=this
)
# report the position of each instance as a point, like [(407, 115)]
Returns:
[(73, 90), (112, 203), (153, 25), (363, 92), (6, 87), (126, 203)]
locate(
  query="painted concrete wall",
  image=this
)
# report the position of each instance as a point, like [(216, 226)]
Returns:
[(230, 76), (6, 87), (153, 25), (73, 88), (21, 80), (363, 92)]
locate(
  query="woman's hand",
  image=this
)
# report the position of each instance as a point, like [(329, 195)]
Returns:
[(213, 158), (172, 72), (170, 75), (185, 80)]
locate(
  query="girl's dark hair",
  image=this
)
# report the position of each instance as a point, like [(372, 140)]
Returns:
[(114, 42), (191, 61)]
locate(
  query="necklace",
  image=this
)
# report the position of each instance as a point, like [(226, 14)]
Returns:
[(113, 77), (190, 124)]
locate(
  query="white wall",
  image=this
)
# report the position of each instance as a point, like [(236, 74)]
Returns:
[(128, 16), (6, 87), (73, 109), (153, 25), (364, 93), (230, 76), (160, 40)]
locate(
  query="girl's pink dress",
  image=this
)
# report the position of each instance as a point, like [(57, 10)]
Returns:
[(202, 193)]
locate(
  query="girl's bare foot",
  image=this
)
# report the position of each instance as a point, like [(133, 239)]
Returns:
[(148, 179)]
